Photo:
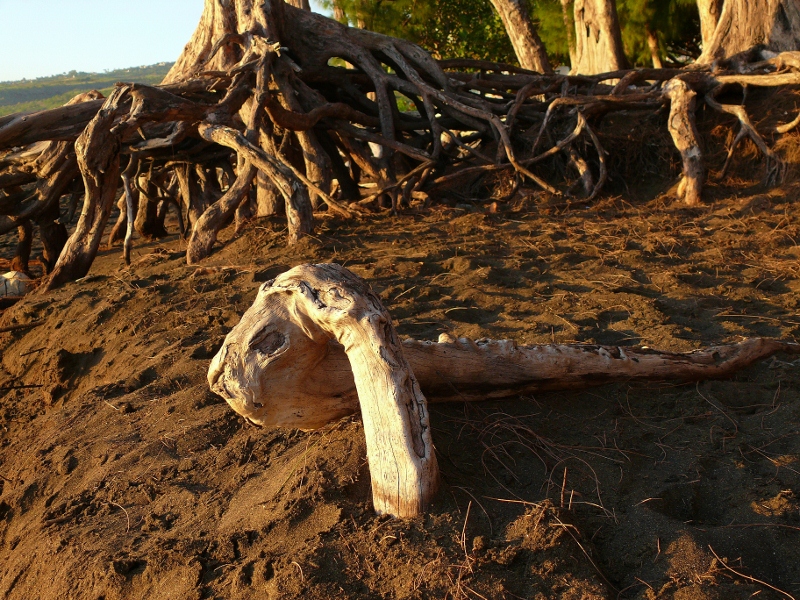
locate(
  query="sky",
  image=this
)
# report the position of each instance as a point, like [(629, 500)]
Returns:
[(49, 37)]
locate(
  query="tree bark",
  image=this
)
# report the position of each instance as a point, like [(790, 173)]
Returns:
[(709, 11), (146, 221), (130, 209), (743, 24), (268, 199), (97, 152), (53, 235), (23, 252), (527, 45), (204, 232), (682, 128), (570, 28), (598, 40), (652, 43)]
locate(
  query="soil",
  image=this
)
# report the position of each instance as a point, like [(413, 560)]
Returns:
[(123, 476)]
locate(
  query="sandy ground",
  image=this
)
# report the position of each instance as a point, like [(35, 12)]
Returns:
[(123, 476)]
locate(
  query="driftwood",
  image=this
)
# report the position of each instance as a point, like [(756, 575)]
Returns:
[(317, 342), (318, 336)]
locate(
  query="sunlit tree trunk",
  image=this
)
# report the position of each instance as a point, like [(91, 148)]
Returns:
[(598, 41), (746, 23), (709, 11), (566, 8), (652, 43), (527, 45)]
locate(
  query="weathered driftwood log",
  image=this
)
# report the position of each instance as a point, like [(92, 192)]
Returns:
[(317, 342), (683, 130)]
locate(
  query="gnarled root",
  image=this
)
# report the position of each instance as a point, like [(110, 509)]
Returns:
[(257, 84), (683, 130)]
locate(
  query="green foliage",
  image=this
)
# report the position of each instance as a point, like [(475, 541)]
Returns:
[(472, 29), (452, 29), (51, 92), (548, 15), (674, 22)]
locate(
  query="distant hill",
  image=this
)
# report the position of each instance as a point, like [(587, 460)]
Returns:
[(30, 95)]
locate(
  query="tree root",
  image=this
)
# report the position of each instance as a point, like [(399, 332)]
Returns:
[(258, 87)]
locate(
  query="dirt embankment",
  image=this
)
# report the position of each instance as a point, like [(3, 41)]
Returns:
[(122, 476)]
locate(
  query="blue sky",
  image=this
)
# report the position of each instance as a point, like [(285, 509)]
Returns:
[(48, 37)]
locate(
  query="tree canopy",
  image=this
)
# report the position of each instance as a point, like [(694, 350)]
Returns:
[(454, 29), (471, 28)]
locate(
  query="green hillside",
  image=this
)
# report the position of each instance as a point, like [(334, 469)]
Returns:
[(30, 95)]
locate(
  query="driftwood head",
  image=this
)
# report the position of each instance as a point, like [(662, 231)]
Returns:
[(278, 367), (316, 342)]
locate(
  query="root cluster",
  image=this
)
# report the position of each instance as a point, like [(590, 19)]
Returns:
[(285, 111)]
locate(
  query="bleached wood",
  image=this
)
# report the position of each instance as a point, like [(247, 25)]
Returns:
[(682, 128), (709, 11), (598, 39), (316, 339), (317, 342), (743, 24)]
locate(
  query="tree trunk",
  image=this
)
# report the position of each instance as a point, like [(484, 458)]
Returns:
[(709, 11), (743, 24), (528, 47), (570, 28), (317, 343), (598, 40), (268, 199), (652, 43)]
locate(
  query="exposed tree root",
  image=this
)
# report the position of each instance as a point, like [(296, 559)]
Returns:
[(306, 101)]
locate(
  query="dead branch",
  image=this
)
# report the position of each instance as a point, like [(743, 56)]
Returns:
[(317, 343)]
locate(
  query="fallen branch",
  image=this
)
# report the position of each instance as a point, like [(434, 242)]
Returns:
[(316, 343)]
